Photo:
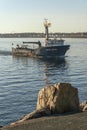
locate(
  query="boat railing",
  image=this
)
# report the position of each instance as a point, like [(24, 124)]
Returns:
[(38, 43)]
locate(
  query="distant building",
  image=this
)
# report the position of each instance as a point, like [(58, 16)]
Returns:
[(42, 35)]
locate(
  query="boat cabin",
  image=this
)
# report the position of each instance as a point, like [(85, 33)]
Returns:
[(54, 42)]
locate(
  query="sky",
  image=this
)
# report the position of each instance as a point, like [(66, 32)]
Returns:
[(18, 16)]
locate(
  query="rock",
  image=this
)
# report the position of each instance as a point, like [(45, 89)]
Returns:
[(83, 106), (37, 114), (59, 98), (54, 99), (33, 115)]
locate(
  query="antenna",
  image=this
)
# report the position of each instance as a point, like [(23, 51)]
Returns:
[(46, 25)]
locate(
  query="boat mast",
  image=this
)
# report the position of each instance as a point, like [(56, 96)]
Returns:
[(46, 25)]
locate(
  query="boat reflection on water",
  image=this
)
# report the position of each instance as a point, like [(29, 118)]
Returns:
[(42, 72), (57, 61), (53, 70)]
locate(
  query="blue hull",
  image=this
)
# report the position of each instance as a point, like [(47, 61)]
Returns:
[(52, 52)]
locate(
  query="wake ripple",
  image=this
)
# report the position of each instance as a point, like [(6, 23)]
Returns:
[(5, 52)]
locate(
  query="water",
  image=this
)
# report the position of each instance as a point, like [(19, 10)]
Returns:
[(21, 78)]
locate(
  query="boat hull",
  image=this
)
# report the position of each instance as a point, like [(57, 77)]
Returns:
[(42, 52), (52, 52)]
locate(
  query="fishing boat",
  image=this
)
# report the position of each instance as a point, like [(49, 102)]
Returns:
[(53, 48)]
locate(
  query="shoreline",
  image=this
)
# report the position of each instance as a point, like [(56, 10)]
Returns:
[(58, 103), (42, 35), (73, 121)]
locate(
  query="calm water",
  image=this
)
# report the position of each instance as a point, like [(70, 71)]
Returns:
[(21, 78)]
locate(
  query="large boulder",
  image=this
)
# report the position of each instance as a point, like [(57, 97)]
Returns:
[(54, 99), (59, 98)]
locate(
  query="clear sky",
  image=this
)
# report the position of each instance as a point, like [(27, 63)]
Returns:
[(28, 15)]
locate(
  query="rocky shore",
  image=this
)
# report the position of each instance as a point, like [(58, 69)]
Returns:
[(55, 103)]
